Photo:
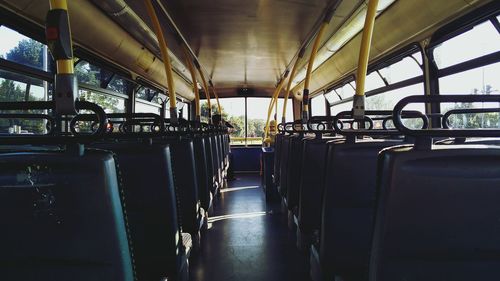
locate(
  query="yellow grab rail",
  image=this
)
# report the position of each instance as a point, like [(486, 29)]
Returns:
[(189, 63), (166, 58), (64, 66), (314, 51), (274, 99), (216, 96), (364, 56), (205, 89), (290, 81)]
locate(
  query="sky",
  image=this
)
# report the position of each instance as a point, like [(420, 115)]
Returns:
[(10, 39)]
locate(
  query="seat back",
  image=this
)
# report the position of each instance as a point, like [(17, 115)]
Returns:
[(210, 164), (294, 172), (277, 158), (185, 181), (349, 206), (284, 155), (311, 184), (62, 218), (202, 174), (216, 157), (437, 214), (150, 203)]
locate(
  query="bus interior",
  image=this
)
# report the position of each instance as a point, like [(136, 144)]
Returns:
[(184, 140)]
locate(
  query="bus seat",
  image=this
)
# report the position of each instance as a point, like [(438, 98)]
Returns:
[(210, 165), (437, 214), (277, 158), (150, 202), (62, 218), (311, 190), (294, 173), (348, 208), (185, 181), (284, 155), (215, 160), (203, 178)]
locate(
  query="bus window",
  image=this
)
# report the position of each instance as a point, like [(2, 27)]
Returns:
[(477, 42), (318, 106), (23, 50), (233, 111), (289, 110), (110, 104), (482, 40)]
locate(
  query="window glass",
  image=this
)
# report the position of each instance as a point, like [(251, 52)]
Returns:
[(110, 104), (119, 84), (233, 111), (405, 69), (318, 106), (388, 100), (289, 110), (478, 81), (347, 90), (146, 107), (23, 50), (336, 109), (373, 81), (17, 87), (256, 116), (483, 39), (332, 97)]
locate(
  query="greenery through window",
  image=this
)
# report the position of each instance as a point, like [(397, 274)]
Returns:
[(18, 48), (17, 87), (233, 111)]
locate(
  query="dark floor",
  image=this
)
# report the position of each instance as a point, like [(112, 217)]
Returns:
[(247, 242)]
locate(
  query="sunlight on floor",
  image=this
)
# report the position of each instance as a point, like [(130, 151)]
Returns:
[(238, 188), (236, 216)]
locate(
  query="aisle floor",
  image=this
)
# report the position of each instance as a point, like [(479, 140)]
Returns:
[(247, 240)]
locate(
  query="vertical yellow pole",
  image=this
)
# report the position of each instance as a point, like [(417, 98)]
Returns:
[(205, 88), (290, 81), (216, 96), (64, 66), (166, 59), (189, 63), (314, 51), (364, 56), (274, 99)]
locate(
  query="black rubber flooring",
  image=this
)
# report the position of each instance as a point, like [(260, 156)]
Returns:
[(246, 240)]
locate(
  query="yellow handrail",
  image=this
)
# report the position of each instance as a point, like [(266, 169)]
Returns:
[(64, 66), (205, 89), (290, 81), (274, 99), (364, 56), (189, 63), (166, 58), (314, 52), (216, 96), (364, 52)]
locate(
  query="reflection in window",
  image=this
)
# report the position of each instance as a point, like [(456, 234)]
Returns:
[(110, 104), (23, 50), (482, 40), (119, 84), (318, 106)]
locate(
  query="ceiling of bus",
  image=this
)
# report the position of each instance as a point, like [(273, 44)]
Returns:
[(246, 43)]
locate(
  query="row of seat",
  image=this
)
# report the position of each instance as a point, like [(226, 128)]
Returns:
[(118, 209), (384, 208)]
